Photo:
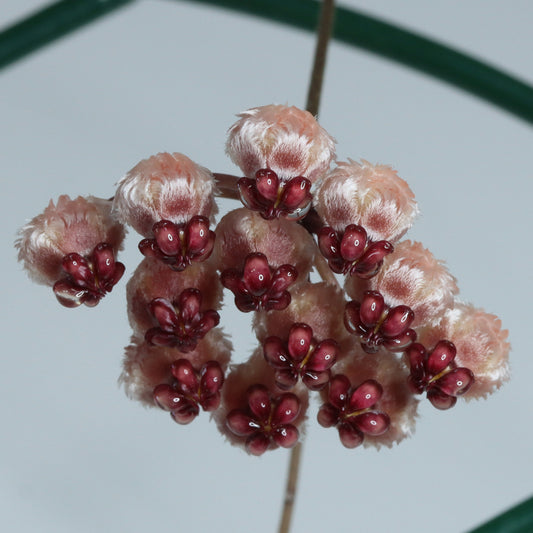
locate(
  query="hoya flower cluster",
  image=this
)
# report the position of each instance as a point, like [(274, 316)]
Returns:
[(344, 309)]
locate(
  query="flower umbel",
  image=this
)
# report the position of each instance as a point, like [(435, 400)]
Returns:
[(340, 340)]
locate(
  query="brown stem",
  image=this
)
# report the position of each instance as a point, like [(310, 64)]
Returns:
[(290, 490), (325, 26), (226, 186), (323, 37)]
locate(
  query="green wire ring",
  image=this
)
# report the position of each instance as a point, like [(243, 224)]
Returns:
[(351, 27)]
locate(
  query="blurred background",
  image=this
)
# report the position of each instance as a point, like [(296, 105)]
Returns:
[(163, 75)]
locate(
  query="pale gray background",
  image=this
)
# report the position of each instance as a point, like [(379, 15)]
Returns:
[(75, 454)]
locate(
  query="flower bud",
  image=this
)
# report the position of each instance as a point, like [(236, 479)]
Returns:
[(284, 139), (164, 187), (70, 226), (373, 197)]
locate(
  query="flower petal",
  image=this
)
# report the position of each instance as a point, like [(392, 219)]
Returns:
[(167, 398), (372, 423), (328, 415), (456, 382), (350, 436), (352, 319), (257, 444), (197, 235), (189, 303), (283, 278), (324, 356), (286, 378), (339, 387), (286, 410), (241, 424), (275, 352), (212, 378), (259, 402), (184, 373), (372, 307), (365, 396), (256, 273), (165, 314), (296, 193), (440, 399), (167, 236), (441, 356), (316, 381), (267, 184), (299, 343), (398, 321), (328, 242), (400, 342), (353, 242), (186, 413), (286, 436)]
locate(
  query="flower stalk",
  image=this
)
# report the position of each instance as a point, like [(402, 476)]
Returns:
[(324, 32)]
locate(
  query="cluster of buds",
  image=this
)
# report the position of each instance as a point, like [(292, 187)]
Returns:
[(382, 327)]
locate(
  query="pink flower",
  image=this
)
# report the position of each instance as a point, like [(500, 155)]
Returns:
[(164, 187), (377, 325), (258, 286), (146, 366), (88, 279), (283, 139), (267, 421), (273, 198), (180, 245), (300, 355), (437, 373), (397, 400), (189, 389), (153, 279), (72, 246), (254, 414), (352, 251), (319, 305), (351, 410), (181, 322), (241, 232), (374, 197), (481, 345), (69, 227), (411, 276)]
